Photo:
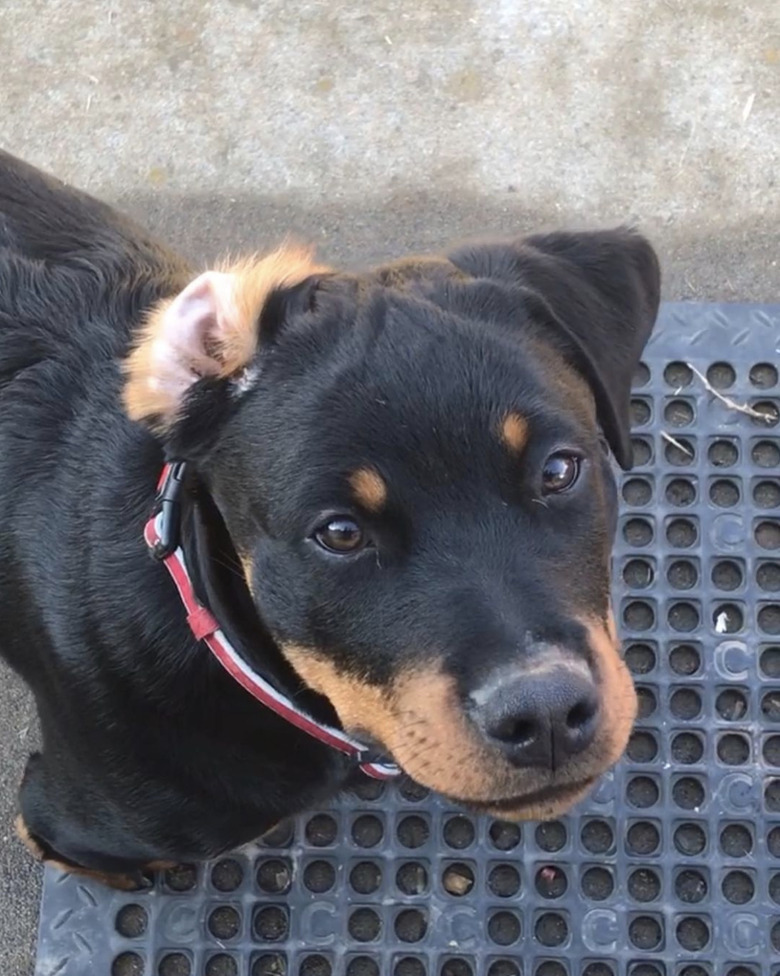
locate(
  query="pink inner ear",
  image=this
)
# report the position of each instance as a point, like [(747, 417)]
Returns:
[(193, 327)]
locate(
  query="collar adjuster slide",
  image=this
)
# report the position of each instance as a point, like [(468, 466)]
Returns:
[(167, 508)]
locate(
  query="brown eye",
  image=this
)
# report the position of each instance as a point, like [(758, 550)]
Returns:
[(560, 472), (341, 535)]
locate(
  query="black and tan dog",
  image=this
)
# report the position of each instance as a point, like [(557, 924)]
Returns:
[(395, 512)]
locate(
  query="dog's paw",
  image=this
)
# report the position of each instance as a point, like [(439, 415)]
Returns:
[(126, 881)]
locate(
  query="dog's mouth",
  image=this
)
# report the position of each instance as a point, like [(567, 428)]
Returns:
[(539, 804)]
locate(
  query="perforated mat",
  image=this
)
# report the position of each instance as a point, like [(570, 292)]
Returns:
[(672, 868)]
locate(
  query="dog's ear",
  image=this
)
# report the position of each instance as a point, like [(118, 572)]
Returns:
[(209, 331), (598, 294)]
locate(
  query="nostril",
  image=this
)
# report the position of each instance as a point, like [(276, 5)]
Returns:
[(581, 714), (514, 731)]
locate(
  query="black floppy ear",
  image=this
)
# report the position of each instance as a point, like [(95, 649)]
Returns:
[(598, 293)]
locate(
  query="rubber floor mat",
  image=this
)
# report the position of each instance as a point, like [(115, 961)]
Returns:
[(671, 868)]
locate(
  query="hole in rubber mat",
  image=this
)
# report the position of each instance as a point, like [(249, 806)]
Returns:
[(132, 921), (504, 836), (269, 964), (409, 966), (597, 837), (319, 877), (413, 792), (413, 878), (184, 877), (227, 875), (225, 922), (766, 494), (367, 830), (684, 659), (681, 533), (551, 929), (687, 748), (221, 965), (363, 966), (678, 375), (721, 375), (738, 887), (369, 789), (413, 831), (638, 573), (763, 376), (365, 877), (274, 876), (680, 451), (128, 964), (646, 932), (693, 934), (550, 836), (456, 967), (679, 412), (174, 964), (271, 923), (411, 925), (503, 967), (643, 451), (637, 491), (642, 746), (551, 967), (550, 881), (597, 883), (640, 658), (504, 881), (321, 830), (458, 832), (642, 838), (641, 411), (315, 965), (644, 885), (598, 969)]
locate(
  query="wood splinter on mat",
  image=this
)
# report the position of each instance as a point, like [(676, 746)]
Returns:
[(675, 443), (745, 408)]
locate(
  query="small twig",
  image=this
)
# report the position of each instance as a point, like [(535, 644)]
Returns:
[(748, 107), (680, 446), (745, 408)]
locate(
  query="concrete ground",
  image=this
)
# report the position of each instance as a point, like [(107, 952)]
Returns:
[(395, 125)]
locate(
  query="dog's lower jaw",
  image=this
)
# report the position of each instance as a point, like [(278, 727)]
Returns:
[(541, 805)]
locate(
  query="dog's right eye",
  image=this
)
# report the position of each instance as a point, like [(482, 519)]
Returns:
[(341, 534)]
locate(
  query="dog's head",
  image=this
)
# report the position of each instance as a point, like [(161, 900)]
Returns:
[(413, 463)]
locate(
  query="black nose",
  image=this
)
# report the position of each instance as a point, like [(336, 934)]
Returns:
[(542, 718)]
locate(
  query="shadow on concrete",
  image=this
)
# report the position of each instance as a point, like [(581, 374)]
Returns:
[(733, 263)]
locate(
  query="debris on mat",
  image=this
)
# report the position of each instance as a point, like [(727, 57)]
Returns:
[(671, 868)]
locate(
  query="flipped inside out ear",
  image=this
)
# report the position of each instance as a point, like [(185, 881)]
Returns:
[(210, 330), (595, 296)]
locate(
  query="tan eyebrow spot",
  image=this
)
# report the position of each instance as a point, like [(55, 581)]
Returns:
[(369, 488), (514, 432)]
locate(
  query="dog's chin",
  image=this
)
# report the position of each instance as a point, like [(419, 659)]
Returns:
[(544, 804)]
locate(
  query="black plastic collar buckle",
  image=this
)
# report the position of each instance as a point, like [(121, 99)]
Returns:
[(168, 509)]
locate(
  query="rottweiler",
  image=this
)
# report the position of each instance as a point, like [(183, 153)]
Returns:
[(275, 526)]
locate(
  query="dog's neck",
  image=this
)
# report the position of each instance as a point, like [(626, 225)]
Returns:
[(220, 585)]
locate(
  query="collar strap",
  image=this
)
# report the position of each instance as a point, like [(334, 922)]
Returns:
[(162, 538)]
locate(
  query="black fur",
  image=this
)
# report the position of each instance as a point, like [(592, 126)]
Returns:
[(150, 751)]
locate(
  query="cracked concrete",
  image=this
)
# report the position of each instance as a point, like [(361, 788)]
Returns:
[(399, 125)]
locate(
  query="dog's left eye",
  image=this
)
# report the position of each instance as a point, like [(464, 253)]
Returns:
[(340, 534), (560, 472)]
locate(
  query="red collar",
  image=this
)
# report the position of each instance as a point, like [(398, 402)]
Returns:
[(161, 537)]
